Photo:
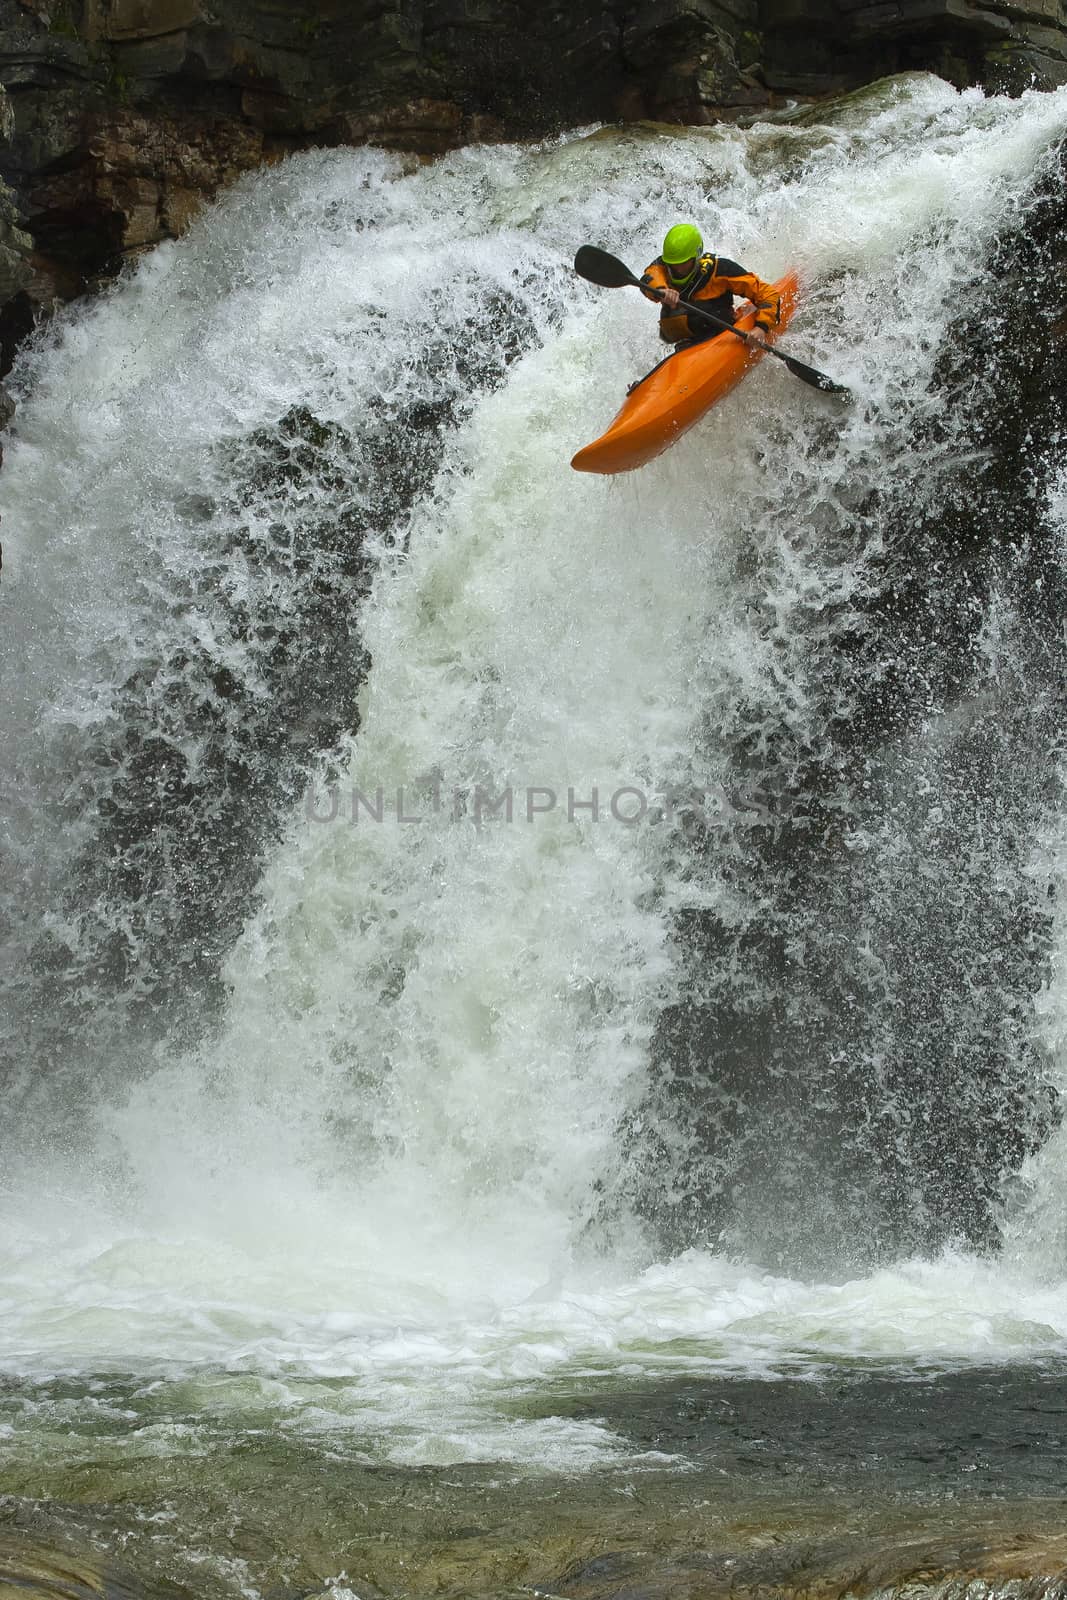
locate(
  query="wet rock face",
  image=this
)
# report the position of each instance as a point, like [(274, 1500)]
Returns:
[(122, 116)]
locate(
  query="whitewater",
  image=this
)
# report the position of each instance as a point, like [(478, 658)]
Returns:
[(321, 1108)]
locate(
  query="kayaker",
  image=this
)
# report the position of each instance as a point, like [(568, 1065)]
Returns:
[(684, 271)]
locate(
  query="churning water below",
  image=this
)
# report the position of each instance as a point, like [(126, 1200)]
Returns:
[(317, 1130)]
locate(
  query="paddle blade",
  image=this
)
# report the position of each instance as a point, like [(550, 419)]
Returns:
[(812, 375), (596, 266)]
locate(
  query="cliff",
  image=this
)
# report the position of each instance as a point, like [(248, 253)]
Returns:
[(119, 117)]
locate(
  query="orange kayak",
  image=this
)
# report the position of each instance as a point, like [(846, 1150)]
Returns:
[(677, 393)]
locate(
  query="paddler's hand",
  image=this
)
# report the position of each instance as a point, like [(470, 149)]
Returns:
[(670, 298), (756, 339)]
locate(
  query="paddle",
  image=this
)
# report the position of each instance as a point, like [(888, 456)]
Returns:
[(597, 266)]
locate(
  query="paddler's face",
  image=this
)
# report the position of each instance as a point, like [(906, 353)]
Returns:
[(681, 270)]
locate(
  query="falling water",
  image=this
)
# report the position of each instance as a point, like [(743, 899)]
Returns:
[(316, 1091)]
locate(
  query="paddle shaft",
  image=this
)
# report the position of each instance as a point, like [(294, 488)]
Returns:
[(597, 266), (799, 369), (727, 327), (697, 311)]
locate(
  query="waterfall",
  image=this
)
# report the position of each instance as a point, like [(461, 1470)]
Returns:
[(470, 914)]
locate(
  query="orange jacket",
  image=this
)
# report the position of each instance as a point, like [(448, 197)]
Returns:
[(713, 285)]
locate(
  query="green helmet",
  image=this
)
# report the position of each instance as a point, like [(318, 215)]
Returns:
[(682, 243)]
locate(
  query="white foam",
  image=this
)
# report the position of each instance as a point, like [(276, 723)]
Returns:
[(386, 1163)]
